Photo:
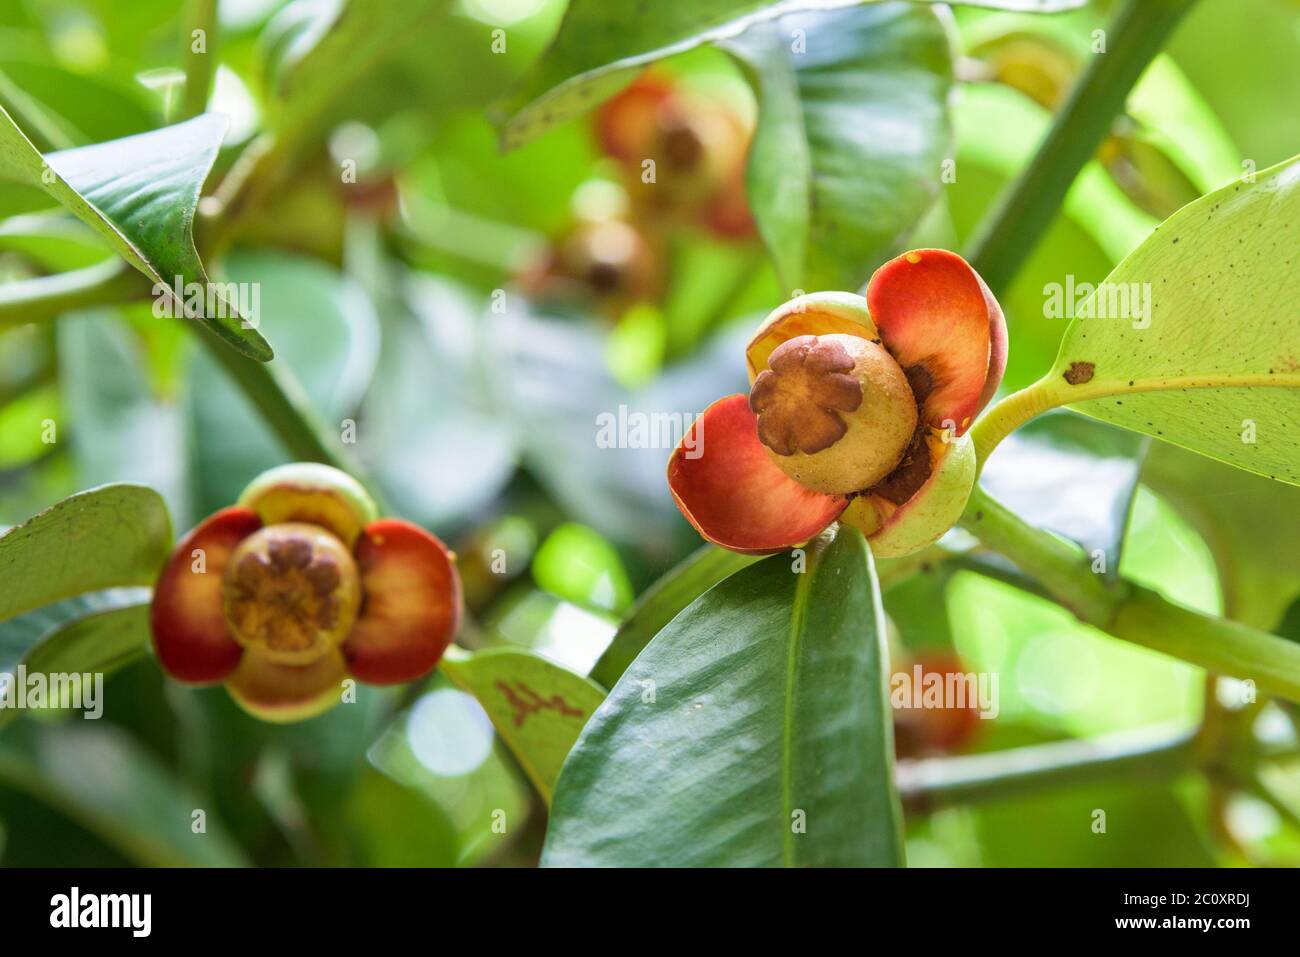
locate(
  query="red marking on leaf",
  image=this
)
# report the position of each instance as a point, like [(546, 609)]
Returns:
[(524, 701)]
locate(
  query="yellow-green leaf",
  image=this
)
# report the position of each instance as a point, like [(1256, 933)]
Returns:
[(1194, 338)]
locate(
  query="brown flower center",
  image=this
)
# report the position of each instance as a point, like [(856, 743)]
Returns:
[(799, 397), (292, 591)]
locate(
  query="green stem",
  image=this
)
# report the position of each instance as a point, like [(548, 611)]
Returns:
[(1131, 612), (46, 297), (1015, 771), (1025, 209), (1058, 564), (200, 67), (1010, 413), (284, 407)]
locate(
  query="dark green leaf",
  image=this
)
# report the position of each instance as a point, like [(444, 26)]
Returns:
[(661, 602), (140, 194), (96, 633), (50, 633), (851, 136), (602, 43), (754, 730)]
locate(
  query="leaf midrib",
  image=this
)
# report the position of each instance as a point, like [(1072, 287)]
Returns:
[(1102, 388), (798, 612)]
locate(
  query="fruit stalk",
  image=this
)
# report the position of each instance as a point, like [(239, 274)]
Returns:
[(1133, 613)]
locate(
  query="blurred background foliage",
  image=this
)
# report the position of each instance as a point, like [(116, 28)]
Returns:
[(478, 422)]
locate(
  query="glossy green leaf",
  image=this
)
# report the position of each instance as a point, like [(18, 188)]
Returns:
[(107, 537), (1206, 353), (537, 706), (602, 43), (754, 730), (661, 602), (851, 136), (1251, 526), (140, 193), (1072, 475)]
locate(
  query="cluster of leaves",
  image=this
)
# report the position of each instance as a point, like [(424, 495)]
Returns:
[(734, 713)]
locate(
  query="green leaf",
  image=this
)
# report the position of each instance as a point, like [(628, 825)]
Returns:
[(96, 633), (140, 194), (536, 706), (55, 632), (1250, 525), (754, 730), (851, 136), (107, 537), (1072, 475), (100, 778), (1214, 364), (997, 132), (602, 43), (661, 602), (98, 643)]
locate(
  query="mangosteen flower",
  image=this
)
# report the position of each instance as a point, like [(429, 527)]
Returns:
[(298, 587), (858, 411)]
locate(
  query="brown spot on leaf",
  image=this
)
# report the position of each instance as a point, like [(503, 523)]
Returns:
[(1079, 373)]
